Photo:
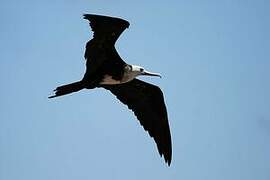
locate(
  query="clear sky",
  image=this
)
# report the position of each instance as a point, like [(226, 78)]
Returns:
[(215, 61)]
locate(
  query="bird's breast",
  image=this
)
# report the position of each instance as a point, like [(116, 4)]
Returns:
[(109, 80)]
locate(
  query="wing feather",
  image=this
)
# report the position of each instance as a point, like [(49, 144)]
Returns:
[(147, 103), (100, 53), (105, 27)]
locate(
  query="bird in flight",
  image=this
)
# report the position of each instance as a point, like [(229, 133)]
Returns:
[(106, 69)]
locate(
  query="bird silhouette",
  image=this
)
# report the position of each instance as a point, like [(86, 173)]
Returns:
[(106, 69)]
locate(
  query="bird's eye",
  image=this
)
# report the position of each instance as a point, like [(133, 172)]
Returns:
[(141, 69)]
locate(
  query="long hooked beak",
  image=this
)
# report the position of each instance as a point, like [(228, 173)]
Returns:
[(146, 73)]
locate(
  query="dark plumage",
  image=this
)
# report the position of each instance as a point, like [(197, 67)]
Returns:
[(147, 103), (106, 69)]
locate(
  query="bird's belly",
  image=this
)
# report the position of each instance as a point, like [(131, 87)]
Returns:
[(108, 80)]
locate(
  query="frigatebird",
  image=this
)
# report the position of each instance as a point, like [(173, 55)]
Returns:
[(106, 69)]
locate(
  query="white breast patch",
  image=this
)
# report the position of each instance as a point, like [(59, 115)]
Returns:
[(109, 80)]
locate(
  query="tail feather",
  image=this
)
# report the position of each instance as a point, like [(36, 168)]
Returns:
[(66, 89)]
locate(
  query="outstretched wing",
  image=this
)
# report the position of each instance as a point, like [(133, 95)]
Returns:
[(147, 103), (106, 28), (101, 48)]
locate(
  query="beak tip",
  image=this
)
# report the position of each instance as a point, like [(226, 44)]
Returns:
[(152, 74)]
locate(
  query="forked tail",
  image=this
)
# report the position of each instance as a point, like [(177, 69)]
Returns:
[(69, 88)]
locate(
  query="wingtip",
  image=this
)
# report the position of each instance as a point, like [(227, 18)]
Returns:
[(85, 15), (90, 16), (169, 162)]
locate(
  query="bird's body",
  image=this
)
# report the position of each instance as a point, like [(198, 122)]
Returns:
[(102, 61), (106, 69)]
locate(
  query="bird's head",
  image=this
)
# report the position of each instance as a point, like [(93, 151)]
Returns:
[(138, 70)]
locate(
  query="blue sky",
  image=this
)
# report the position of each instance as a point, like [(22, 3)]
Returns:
[(214, 58)]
